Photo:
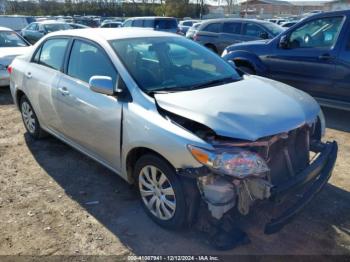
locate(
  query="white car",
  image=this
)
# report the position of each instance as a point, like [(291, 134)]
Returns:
[(11, 45)]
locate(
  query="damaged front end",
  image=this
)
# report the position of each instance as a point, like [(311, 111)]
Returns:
[(237, 174)]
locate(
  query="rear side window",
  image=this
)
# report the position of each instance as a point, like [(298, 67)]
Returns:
[(148, 23), (253, 30), (137, 23), (232, 28), (165, 24), (87, 60), (52, 53), (214, 28)]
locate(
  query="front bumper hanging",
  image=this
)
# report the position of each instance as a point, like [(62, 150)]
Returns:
[(316, 174)]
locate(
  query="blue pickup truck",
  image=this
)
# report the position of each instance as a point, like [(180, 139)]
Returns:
[(313, 55)]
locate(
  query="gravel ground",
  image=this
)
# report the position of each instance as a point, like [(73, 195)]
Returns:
[(48, 192)]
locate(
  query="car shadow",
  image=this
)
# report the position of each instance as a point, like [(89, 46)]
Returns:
[(337, 119), (5, 96), (115, 204)]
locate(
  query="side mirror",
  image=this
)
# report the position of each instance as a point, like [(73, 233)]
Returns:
[(264, 35), (284, 42), (102, 85)]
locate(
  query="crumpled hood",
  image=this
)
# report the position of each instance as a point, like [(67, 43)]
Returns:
[(7, 54), (250, 109)]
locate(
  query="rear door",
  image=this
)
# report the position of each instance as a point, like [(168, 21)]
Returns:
[(342, 75), (231, 34), (42, 77), (309, 62), (210, 35), (92, 121)]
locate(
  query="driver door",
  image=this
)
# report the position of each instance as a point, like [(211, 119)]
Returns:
[(308, 62)]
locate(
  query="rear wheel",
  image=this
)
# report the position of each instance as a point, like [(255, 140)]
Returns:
[(30, 119), (161, 191)]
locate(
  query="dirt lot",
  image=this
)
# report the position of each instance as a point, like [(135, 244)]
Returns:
[(46, 187)]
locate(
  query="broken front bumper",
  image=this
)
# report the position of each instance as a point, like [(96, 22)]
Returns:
[(316, 174)]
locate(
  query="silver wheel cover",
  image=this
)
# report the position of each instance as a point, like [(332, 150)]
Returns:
[(157, 192), (28, 117)]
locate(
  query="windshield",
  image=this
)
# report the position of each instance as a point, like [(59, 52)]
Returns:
[(11, 39), (273, 28), (56, 27), (172, 64)]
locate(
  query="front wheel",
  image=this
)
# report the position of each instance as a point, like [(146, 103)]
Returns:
[(161, 191)]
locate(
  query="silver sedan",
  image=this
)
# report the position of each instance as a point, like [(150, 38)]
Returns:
[(11, 45), (172, 117)]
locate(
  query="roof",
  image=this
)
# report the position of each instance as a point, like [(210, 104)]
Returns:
[(268, 2), (50, 22), (113, 33), (151, 17), (220, 20), (5, 29)]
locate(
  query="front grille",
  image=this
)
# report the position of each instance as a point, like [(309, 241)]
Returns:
[(289, 155)]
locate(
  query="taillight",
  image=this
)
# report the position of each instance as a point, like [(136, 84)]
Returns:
[(9, 69)]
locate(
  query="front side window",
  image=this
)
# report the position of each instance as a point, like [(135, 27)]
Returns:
[(232, 28), (87, 60), (137, 23), (127, 23), (172, 64), (319, 33), (32, 27), (55, 27), (253, 30), (52, 53), (11, 39), (214, 28)]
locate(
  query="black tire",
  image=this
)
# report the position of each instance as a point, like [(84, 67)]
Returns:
[(178, 219), (247, 70), (37, 132)]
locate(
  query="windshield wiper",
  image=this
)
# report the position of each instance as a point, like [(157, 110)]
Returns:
[(213, 83)]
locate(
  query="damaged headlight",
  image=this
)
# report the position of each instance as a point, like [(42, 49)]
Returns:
[(235, 162)]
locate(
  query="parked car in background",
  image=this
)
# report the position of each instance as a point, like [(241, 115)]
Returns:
[(185, 25), (177, 121), (11, 45), (111, 24), (193, 30), (15, 22), (277, 21), (313, 56), (217, 34), (288, 24), (33, 32), (90, 21), (165, 24), (77, 26)]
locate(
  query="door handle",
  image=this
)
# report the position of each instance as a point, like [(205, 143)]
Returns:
[(64, 91), (326, 57), (29, 75)]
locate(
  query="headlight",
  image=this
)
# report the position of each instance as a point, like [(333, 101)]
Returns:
[(233, 162)]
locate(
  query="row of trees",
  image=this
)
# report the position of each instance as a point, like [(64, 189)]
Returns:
[(176, 8)]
